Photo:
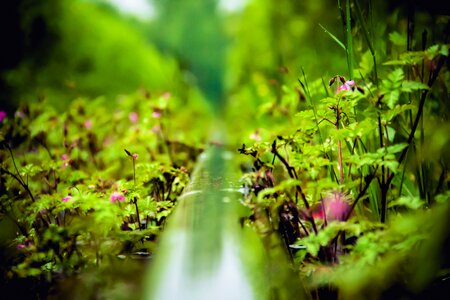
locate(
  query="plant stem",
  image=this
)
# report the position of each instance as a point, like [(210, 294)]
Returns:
[(383, 174), (423, 97), (341, 167), (293, 175), (134, 171), (137, 213), (348, 33), (18, 177), (368, 39), (368, 179)]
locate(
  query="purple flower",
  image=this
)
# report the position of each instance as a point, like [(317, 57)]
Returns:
[(346, 86), (3, 115), (117, 196), (20, 246), (66, 198)]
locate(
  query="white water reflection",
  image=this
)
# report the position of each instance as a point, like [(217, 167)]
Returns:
[(225, 282)]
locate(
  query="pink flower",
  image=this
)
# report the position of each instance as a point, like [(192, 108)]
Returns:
[(156, 113), (135, 156), (66, 198), (155, 129), (255, 135), (134, 117), (27, 244), (19, 114), (333, 207), (347, 86), (166, 95), (66, 160), (3, 115), (88, 124), (117, 196)]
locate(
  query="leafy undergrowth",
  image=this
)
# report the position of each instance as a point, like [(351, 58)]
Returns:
[(85, 193), (353, 175)]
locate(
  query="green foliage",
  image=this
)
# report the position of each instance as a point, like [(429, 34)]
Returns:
[(365, 141), (88, 52), (78, 202)]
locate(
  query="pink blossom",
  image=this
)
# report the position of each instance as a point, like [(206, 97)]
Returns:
[(347, 86), (333, 207), (135, 156), (255, 135), (66, 160), (3, 115), (166, 95), (19, 114), (117, 196), (155, 129), (66, 198), (27, 244), (156, 113), (88, 124), (134, 117)]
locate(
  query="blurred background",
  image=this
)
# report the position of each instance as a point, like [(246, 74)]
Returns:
[(60, 50)]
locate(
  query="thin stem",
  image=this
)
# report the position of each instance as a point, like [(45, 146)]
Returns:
[(368, 39), (420, 110), (348, 33), (293, 175), (341, 166), (134, 171), (21, 182), (137, 213), (368, 179), (382, 182)]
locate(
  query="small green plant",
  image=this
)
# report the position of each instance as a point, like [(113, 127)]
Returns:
[(71, 195), (336, 186)]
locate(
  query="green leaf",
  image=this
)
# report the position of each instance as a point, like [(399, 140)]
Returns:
[(366, 63), (397, 39), (391, 98), (333, 37), (408, 59), (396, 76), (409, 202), (391, 87), (396, 148), (436, 50), (395, 111), (409, 86), (30, 170)]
